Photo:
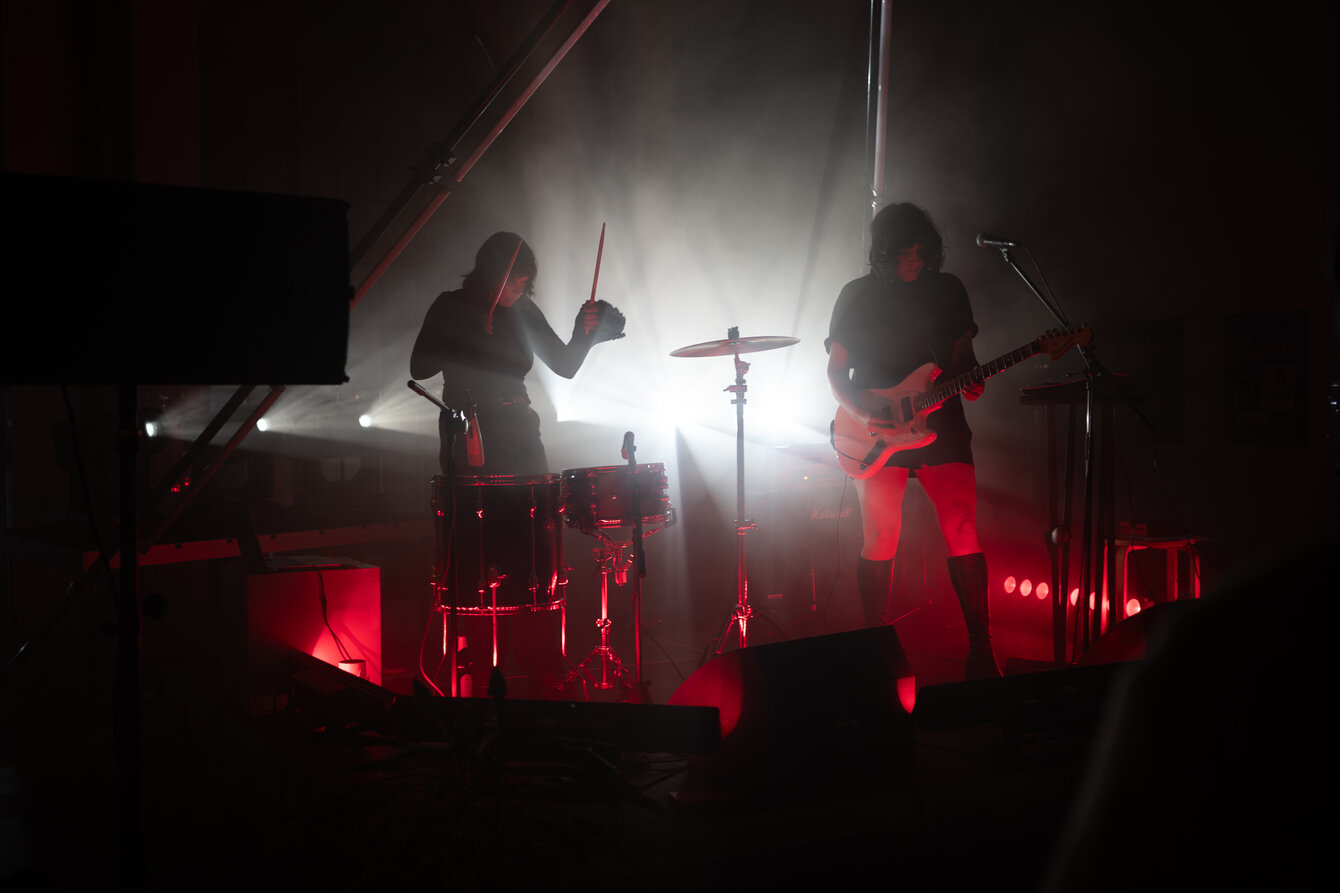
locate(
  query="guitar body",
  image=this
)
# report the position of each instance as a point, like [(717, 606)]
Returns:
[(864, 445)]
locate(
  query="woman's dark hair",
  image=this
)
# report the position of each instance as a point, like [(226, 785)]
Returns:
[(493, 257), (901, 226)]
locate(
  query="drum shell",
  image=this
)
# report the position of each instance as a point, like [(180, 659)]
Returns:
[(508, 524), (602, 497)]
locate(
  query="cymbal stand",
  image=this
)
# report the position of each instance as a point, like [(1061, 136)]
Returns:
[(742, 612)]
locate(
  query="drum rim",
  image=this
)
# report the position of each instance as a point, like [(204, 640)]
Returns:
[(504, 480), (649, 520), (609, 469), (485, 611)]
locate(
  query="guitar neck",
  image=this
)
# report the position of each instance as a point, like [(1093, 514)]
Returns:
[(942, 392)]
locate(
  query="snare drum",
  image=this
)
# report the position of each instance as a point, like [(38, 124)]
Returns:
[(603, 497), (507, 530)]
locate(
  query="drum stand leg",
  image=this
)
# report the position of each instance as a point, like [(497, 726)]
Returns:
[(611, 557), (743, 611), (495, 579)]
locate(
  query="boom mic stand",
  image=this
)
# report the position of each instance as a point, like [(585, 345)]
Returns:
[(1091, 623)]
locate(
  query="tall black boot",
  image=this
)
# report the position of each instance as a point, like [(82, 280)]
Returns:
[(874, 580), (968, 575)]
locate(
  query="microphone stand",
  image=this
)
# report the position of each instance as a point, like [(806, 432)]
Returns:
[(1091, 624), (450, 625)]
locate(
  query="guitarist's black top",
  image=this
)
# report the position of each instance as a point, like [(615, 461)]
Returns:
[(889, 329)]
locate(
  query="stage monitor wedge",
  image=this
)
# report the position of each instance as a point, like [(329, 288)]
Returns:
[(818, 715)]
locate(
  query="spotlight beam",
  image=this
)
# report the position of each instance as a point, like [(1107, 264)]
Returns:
[(208, 471), (193, 453)]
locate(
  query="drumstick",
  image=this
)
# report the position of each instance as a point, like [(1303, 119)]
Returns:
[(488, 325), (589, 321)]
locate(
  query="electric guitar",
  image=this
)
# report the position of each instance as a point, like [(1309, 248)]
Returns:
[(864, 444)]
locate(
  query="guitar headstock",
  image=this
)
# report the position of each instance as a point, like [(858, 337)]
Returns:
[(1055, 342)]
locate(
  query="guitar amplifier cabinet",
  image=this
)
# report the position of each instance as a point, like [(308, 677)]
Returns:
[(802, 556)]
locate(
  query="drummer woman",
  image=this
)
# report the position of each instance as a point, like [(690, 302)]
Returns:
[(483, 339)]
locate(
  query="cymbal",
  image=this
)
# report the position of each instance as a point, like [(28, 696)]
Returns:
[(730, 346)]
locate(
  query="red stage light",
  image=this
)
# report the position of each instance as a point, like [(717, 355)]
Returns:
[(907, 692), (1010, 584), (1133, 607), (1043, 590), (1074, 597), (1026, 588)]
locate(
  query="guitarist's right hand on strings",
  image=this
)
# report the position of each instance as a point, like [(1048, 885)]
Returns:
[(860, 403)]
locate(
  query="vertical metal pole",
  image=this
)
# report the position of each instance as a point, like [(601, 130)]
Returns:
[(1055, 544), (605, 629), (1087, 582), (742, 524), (877, 87), (127, 715), (1108, 510), (1067, 522)]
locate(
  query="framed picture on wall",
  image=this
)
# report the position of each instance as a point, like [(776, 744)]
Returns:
[(1266, 378)]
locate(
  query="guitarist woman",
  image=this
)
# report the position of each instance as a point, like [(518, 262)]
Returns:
[(484, 338), (903, 314)]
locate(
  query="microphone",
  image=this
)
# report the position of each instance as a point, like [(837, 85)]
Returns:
[(628, 448), (985, 241)]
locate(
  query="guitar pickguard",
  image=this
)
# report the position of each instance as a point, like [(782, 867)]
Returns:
[(864, 445)]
